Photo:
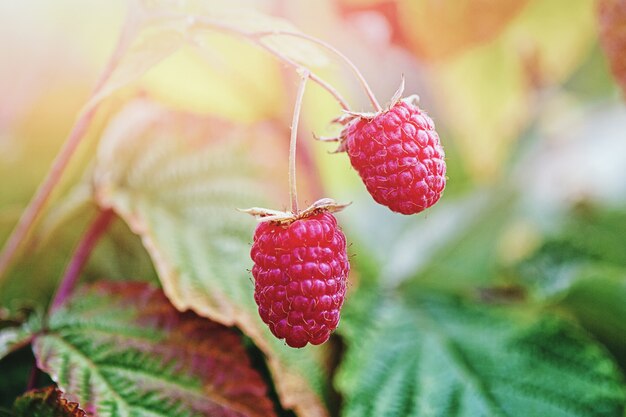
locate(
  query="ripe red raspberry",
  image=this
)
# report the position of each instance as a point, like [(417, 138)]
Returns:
[(300, 272), (399, 157)]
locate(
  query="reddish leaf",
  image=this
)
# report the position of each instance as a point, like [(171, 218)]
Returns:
[(612, 22), (123, 349)]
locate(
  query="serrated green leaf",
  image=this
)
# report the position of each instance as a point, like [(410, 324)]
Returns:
[(11, 339), (14, 338), (123, 350), (46, 402), (441, 357), (177, 180)]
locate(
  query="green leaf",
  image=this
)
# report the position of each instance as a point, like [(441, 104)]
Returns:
[(46, 402), (177, 180), (14, 338), (592, 234), (123, 350), (464, 248), (583, 269), (441, 357)]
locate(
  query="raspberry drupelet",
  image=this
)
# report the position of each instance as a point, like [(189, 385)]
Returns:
[(398, 155), (300, 271)]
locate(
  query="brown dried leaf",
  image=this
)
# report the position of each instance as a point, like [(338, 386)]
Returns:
[(46, 402)]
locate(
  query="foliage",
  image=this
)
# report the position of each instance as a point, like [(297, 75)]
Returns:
[(507, 298), (179, 192), (441, 356), (584, 271), (122, 349), (46, 402)]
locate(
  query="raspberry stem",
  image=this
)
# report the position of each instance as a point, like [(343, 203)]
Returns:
[(293, 192), (335, 51), (38, 202), (81, 256)]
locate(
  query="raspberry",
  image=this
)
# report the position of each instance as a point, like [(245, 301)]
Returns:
[(300, 272), (399, 157)]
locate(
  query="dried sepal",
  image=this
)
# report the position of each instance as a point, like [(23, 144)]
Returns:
[(348, 116), (413, 99), (323, 204), (49, 401), (287, 217), (397, 95)]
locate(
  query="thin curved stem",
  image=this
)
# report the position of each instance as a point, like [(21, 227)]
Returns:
[(293, 192), (255, 39), (315, 78), (81, 256), (353, 67), (35, 206)]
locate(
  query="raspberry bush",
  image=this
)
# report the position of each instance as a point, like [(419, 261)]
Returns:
[(193, 251)]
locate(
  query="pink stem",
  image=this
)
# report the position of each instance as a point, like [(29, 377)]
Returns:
[(81, 255), (33, 377), (355, 70), (44, 191), (42, 195), (254, 38)]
